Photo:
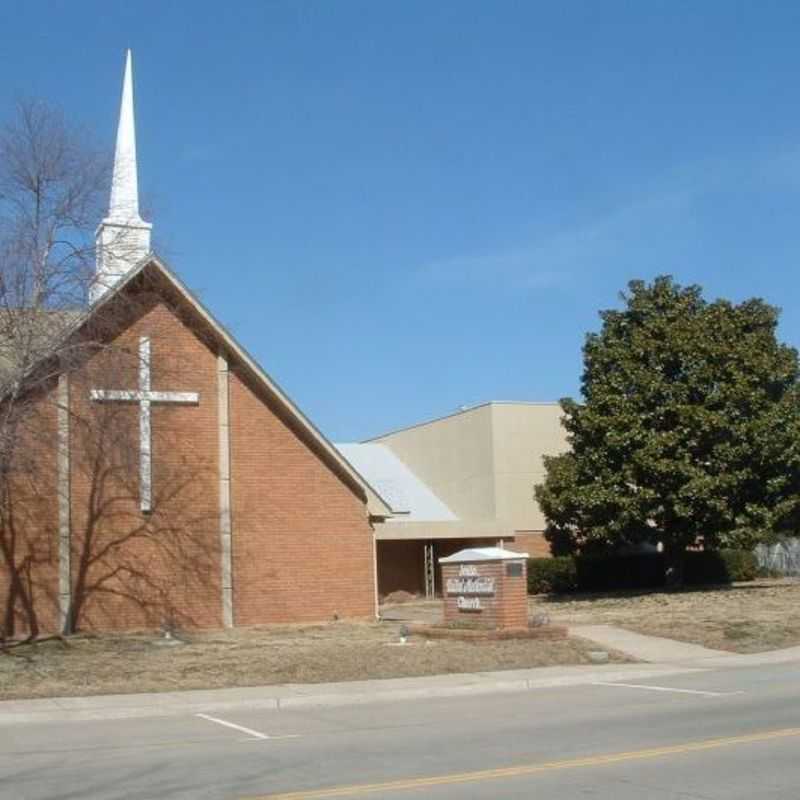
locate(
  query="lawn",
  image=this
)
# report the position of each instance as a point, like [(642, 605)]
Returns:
[(337, 651), (743, 618)]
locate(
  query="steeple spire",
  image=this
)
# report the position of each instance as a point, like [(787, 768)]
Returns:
[(124, 205), (123, 238)]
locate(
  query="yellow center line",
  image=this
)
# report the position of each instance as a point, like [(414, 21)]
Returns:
[(531, 769)]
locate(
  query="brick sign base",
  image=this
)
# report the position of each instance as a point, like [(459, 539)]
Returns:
[(490, 591)]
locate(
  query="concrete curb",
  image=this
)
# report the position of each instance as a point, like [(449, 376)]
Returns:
[(290, 696)]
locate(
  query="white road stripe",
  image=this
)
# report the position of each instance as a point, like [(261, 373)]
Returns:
[(665, 689), (248, 731)]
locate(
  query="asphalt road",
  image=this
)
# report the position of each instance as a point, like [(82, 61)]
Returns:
[(732, 733)]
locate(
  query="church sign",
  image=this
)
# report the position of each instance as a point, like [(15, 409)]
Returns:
[(481, 585), (468, 586)]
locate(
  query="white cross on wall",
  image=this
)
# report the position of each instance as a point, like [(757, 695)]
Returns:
[(144, 396)]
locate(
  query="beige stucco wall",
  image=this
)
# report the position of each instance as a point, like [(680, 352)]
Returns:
[(522, 434), (454, 456), (483, 462)]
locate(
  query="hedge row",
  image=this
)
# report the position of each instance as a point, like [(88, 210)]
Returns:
[(552, 575), (723, 566), (646, 571)]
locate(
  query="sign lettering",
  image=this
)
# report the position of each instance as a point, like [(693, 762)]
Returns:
[(470, 585)]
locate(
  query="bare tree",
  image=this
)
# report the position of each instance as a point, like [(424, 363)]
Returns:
[(52, 188), (53, 192)]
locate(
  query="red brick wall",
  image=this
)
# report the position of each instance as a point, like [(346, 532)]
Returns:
[(531, 542), (513, 599), (302, 542), (130, 569), (29, 534)]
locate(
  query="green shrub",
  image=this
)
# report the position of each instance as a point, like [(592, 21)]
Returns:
[(611, 573), (742, 564), (719, 566), (551, 575)]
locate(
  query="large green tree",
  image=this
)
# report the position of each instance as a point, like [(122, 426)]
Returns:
[(689, 429)]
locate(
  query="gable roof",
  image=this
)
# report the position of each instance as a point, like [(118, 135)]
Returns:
[(376, 504)]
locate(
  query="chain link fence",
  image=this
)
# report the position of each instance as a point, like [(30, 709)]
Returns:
[(782, 557)]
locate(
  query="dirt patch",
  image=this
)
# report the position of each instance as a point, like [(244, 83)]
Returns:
[(341, 651), (400, 597), (419, 611), (742, 618)]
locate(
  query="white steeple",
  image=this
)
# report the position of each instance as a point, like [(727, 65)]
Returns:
[(123, 238)]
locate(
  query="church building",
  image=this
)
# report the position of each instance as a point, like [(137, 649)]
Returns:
[(176, 484), (167, 480)]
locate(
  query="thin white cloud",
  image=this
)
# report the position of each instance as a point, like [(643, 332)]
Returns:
[(559, 260), (645, 234)]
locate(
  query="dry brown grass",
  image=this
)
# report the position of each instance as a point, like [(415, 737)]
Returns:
[(338, 651), (744, 618)]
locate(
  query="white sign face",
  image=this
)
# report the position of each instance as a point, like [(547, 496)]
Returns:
[(470, 586), (468, 571), (469, 603)]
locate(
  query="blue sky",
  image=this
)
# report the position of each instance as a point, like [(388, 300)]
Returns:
[(402, 208)]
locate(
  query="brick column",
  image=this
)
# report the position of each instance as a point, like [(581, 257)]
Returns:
[(64, 528), (223, 406)]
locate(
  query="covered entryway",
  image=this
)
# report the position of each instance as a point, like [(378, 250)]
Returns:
[(412, 565)]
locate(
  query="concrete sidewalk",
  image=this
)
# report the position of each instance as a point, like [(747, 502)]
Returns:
[(665, 652), (653, 649)]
